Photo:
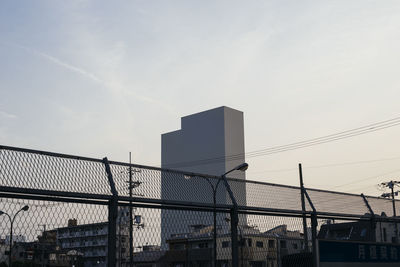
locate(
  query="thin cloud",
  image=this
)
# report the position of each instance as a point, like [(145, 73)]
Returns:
[(92, 77), (61, 63)]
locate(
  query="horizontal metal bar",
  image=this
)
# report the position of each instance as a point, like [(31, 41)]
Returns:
[(46, 153), (391, 220), (156, 204), (272, 210), (138, 166), (274, 214), (171, 207), (173, 202), (74, 195), (31, 191), (53, 199), (341, 215)]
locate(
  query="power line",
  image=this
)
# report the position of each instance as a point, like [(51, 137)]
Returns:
[(297, 145), (364, 179), (328, 165)]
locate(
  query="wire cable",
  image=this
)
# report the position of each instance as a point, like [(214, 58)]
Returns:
[(297, 145), (327, 165)]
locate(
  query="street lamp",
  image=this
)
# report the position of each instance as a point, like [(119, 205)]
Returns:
[(24, 208), (214, 188), (234, 222)]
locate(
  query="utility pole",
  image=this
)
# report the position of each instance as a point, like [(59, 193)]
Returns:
[(132, 185), (391, 186)]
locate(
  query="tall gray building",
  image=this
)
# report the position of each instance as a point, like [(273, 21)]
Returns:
[(204, 144)]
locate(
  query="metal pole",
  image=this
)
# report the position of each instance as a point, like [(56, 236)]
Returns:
[(130, 214), (44, 241), (314, 224), (234, 224), (391, 185), (214, 189), (11, 241), (234, 236), (112, 232), (112, 218), (303, 208), (241, 244), (373, 224), (25, 208), (119, 243), (215, 226)]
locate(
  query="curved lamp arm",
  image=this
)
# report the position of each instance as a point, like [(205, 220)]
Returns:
[(5, 213), (24, 208)]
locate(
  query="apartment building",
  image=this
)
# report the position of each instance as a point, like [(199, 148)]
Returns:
[(89, 242)]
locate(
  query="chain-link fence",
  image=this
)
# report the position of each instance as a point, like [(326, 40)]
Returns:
[(63, 210)]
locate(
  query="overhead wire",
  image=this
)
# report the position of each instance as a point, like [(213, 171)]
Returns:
[(364, 179), (292, 146), (327, 165)]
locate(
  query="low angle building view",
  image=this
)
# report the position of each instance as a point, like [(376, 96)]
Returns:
[(199, 133)]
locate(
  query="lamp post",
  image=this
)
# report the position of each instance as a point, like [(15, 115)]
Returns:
[(242, 240), (234, 213), (214, 188), (24, 208), (241, 167)]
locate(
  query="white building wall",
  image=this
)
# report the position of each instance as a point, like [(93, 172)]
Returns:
[(212, 134)]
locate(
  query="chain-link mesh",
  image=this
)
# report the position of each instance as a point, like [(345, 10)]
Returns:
[(44, 171), (176, 220), (379, 206), (167, 185), (275, 241), (265, 195), (52, 233)]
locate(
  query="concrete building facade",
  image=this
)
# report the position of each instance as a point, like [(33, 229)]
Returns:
[(205, 144), (90, 241)]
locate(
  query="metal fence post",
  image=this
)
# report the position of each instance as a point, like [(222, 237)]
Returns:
[(314, 225), (234, 225), (373, 224), (303, 208), (234, 237), (112, 219)]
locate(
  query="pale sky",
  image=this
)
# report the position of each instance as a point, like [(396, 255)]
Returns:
[(102, 78)]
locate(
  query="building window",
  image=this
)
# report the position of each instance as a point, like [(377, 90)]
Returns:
[(249, 242), (259, 244), (271, 243), (295, 246), (283, 244), (225, 244)]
